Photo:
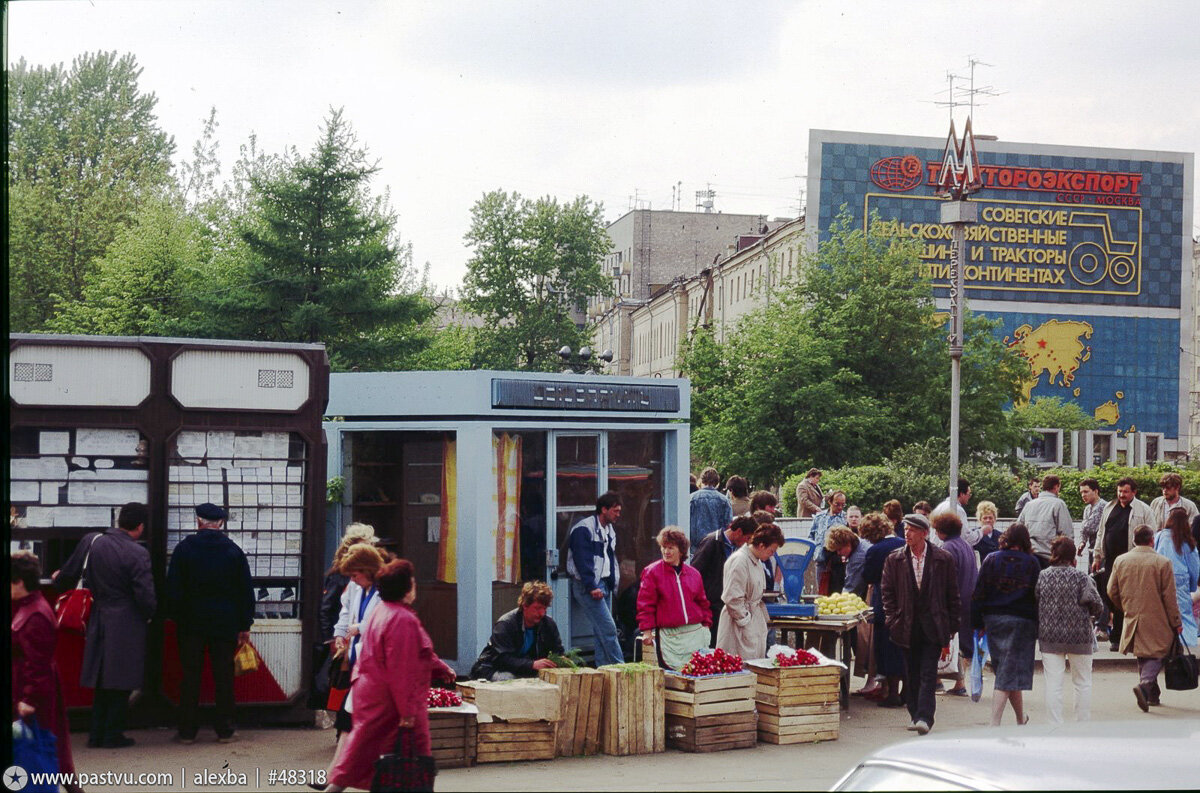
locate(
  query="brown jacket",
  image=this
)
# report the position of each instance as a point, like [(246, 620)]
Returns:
[(936, 604), (808, 499), (1143, 586)]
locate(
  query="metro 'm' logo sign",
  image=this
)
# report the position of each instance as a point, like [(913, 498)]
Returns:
[(959, 174)]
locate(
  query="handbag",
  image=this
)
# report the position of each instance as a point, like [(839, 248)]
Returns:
[(339, 681), (948, 660), (36, 750), (246, 660), (1180, 667), (74, 607), (403, 770)]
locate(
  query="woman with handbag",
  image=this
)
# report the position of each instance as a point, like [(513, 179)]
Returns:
[(36, 690), (1067, 602), (360, 564), (391, 686), (330, 611), (1176, 542)]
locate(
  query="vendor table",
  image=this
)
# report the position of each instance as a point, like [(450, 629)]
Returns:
[(842, 632)]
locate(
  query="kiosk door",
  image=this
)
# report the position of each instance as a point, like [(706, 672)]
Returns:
[(578, 463)]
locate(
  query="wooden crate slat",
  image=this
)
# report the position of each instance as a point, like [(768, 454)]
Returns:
[(810, 737), (717, 695), (677, 682)]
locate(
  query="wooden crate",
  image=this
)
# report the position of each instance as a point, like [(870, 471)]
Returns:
[(710, 713), (505, 741), (634, 710), (797, 704), (453, 735), (713, 733), (582, 705)]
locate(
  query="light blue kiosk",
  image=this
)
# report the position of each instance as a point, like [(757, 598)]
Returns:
[(477, 476)]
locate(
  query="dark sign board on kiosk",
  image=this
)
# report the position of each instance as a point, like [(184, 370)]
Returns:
[(553, 395)]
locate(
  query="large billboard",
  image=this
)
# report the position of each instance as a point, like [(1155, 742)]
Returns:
[(1083, 254)]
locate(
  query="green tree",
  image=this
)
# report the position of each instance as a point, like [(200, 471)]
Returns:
[(322, 261), (84, 152), (534, 261), (843, 365), (149, 281)]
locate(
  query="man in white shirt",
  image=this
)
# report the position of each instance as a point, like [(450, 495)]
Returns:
[(971, 531), (1047, 517), (1170, 499)]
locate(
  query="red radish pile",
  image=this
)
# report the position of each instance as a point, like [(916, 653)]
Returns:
[(718, 662), (442, 698), (797, 658)]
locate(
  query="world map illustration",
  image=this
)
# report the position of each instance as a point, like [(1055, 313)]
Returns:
[(1056, 349)]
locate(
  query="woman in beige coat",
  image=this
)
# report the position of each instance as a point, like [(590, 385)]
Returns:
[(743, 627)]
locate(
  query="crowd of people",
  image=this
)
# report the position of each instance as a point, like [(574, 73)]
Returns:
[(939, 585), (207, 593)]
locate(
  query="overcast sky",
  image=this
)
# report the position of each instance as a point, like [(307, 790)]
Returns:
[(620, 98)]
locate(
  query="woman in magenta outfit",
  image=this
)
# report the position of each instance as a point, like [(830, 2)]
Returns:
[(35, 688), (390, 681), (672, 609)]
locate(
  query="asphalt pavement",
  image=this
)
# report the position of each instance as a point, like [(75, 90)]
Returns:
[(248, 764)]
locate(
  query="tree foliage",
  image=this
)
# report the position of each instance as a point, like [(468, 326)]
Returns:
[(844, 364), (533, 262), (84, 153), (322, 261), (149, 283)]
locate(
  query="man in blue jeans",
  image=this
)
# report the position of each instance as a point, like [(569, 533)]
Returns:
[(592, 563)]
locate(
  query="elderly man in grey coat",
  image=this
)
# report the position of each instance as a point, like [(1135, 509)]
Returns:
[(117, 571)]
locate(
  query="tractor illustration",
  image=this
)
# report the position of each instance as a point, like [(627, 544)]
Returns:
[(1091, 262)]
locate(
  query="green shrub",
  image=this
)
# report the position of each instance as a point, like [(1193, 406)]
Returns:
[(1107, 475), (869, 486)]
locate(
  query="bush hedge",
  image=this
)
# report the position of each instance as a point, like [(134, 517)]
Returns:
[(869, 486)]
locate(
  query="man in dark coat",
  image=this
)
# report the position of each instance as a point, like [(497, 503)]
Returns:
[(521, 639), (709, 558), (210, 596), (921, 609), (117, 571)]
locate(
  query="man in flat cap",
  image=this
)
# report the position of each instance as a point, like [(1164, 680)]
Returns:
[(921, 608), (209, 594)]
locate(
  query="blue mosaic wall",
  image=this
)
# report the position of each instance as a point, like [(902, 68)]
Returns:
[(1132, 362), (1149, 236)]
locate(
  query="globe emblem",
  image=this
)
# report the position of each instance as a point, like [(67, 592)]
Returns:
[(897, 174)]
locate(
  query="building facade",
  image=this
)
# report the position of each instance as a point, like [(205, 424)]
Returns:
[(1084, 255), (650, 250)]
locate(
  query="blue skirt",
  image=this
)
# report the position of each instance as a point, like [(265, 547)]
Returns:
[(1011, 641)]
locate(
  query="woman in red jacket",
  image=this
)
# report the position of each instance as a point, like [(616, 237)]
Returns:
[(36, 692), (672, 609)]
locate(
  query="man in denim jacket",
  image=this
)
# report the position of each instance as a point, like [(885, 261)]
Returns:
[(592, 563)]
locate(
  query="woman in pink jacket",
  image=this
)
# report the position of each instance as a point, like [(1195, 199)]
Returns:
[(390, 681), (672, 609)]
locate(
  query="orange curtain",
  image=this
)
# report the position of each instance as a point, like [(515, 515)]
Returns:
[(507, 470), (448, 544)]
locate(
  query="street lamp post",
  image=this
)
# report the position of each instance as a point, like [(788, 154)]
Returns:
[(957, 179)]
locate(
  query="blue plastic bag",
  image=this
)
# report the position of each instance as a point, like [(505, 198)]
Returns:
[(36, 750), (978, 659)]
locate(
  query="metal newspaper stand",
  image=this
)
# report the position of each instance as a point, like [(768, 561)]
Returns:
[(96, 422)]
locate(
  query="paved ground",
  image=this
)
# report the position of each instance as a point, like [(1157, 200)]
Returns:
[(766, 767)]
